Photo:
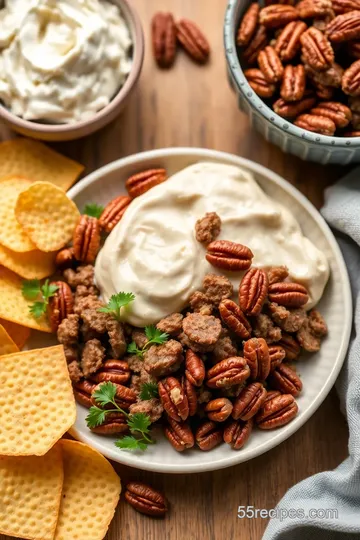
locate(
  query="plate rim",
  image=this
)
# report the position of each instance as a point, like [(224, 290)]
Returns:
[(126, 458)]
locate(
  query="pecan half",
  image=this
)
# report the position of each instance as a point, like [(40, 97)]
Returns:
[(258, 42), (234, 318), (229, 255), (82, 392), (258, 83), (323, 92), (330, 77), (116, 371), (191, 395), (228, 372), (249, 401), (113, 212), (314, 8), (173, 399), (253, 291), (351, 80), (65, 258), (237, 432), (61, 304), (208, 435), (277, 15), (86, 239), (288, 294), (277, 355), (288, 42), (256, 353), (270, 64), (286, 380), (146, 499), (248, 25), (193, 40), (316, 49), (344, 27), (194, 368), (293, 83), (295, 108), (339, 113), (114, 423), (277, 411), (179, 435), (124, 396), (290, 345), (219, 410), (343, 6), (141, 182), (164, 39)]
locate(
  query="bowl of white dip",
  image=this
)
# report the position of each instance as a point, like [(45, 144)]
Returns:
[(67, 67), (153, 252)]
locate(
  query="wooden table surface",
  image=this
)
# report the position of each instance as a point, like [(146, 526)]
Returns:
[(194, 106)]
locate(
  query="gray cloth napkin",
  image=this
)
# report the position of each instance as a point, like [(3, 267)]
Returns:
[(339, 489)]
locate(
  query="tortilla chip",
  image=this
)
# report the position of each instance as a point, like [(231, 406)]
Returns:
[(30, 265), (39, 163), (90, 494), (12, 235), (37, 404), (30, 495), (7, 346), (14, 307), (19, 334), (47, 216)]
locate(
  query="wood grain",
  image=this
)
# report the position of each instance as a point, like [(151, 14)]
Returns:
[(194, 106)]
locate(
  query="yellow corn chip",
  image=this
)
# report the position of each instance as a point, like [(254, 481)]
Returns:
[(7, 346), (47, 215), (14, 307), (37, 404), (12, 235), (37, 162), (90, 494), (19, 334), (30, 495), (30, 265)]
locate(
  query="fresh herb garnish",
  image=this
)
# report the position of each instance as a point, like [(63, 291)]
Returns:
[(149, 390), (138, 423), (32, 290), (116, 302), (154, 337), (93, 210)]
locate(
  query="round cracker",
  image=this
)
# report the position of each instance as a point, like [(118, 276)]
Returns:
[(47, 216)]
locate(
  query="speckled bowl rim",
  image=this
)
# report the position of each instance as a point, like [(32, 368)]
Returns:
[(134, 25), (230, 29)]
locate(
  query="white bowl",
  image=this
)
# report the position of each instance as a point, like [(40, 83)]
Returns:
[(318, 372)]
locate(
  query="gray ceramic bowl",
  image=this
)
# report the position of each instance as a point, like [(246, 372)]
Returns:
[(64, 132), (277, 130)]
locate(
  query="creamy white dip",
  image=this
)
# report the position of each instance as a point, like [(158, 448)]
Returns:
[(153, 251), (61, 61)]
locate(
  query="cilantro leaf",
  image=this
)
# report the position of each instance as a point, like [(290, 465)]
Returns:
[(48, 290), (148, 391), (105, 393), (93, 210), (116, 302), (130, 443), (96, 417), (30, 289), (38, 309), (139, 422), (155, 335), (132, 349)]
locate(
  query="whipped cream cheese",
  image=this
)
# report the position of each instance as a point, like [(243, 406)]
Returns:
[(61, 61), (153, 251)]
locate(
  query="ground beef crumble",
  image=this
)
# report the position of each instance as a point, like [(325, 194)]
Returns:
[(217, 288), (71, 353), (203, 330), (172, 324), (75, 371), (307, 339), (151, 407), (83, 275), (92, 357), (207, 229), (264, 327), (200, 303), (116, 337), (142, 377), (289, 320), (223, 349), (317, 323), (139, 337), (277, 273), (160, 360), (68, 330)]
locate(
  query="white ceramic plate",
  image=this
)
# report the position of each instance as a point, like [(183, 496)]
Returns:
[(318, 372)]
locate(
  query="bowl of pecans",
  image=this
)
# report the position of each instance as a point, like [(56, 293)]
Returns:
[(252, 353), (295, 67)]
